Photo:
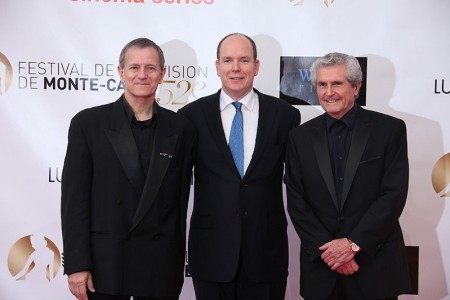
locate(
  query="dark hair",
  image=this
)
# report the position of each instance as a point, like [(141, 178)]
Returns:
[(354, 73), (141, 43), (252, 42)]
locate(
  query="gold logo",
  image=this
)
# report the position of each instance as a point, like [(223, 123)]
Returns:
[(34, 254), (5, 74), (440, 176), (300, 2)]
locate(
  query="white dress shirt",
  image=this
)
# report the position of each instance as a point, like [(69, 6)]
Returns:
[(250, 116)]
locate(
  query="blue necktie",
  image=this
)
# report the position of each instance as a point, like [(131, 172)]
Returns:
[(236, 142)]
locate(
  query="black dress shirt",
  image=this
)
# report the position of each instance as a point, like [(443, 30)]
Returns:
[(144, 133), (339, 135)]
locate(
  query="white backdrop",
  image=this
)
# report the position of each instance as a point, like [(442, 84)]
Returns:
[(58, 57)]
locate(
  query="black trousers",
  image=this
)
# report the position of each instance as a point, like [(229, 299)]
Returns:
[(241, 288), (347, 289), (98, 296)]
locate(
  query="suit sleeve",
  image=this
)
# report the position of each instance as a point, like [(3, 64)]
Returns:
[(308, 227), (382, 216), (75, 201), (191, 141)]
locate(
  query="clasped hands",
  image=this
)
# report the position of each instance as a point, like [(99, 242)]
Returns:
[(339, 257)]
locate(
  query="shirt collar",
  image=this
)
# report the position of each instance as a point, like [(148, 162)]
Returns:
[(130, 114), (348, 119), (248, 101)]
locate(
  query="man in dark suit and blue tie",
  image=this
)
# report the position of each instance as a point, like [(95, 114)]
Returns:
[(347, 181), (125, 188), (238, 246)]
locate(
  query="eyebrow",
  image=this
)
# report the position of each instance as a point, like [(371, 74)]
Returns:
[(242, 57), (147, 65), (335, 81)]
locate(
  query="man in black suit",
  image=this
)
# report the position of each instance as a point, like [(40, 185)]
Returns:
[(125, 188), (347, 181), (238, 245)]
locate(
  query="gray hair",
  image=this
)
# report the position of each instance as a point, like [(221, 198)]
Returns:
[(354, 73), (141, 43), (252, 42)]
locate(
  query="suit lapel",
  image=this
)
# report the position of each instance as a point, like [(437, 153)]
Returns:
[(214, 122), (266, 117), (162, 152), (320, 144), (360, 137), (122, 141)]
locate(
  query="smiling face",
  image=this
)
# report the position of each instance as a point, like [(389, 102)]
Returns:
[(336, 95), (237, 66), (141, 73)]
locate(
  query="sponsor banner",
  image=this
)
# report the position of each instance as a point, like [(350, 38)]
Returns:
[(57, 58)]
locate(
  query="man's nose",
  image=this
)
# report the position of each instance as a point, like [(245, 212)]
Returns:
[(236, 66), (142, 72), (329, 90)]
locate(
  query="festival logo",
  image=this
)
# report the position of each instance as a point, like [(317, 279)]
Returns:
[(34, 256), (6, 74), (185, 79), (441, 176)]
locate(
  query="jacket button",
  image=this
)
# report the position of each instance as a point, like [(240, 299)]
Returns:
[(156, 237)]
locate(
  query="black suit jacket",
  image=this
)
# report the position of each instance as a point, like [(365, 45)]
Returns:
[(231, 213), (129, 251), (374, 194)]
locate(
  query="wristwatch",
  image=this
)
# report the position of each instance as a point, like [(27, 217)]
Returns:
[(353, 247)]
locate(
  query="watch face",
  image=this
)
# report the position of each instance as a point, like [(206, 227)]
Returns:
[(355, 248)]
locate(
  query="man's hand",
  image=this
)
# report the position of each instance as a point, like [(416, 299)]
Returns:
[(348, 268), (336, 253), (78, 283)]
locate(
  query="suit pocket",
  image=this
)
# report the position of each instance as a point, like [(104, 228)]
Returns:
[(369, 160)]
